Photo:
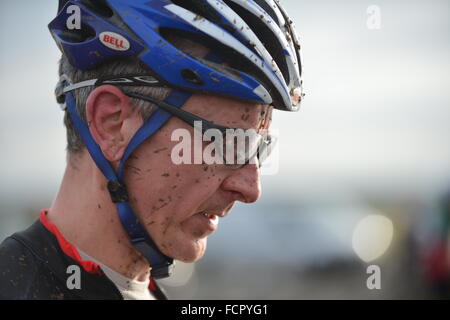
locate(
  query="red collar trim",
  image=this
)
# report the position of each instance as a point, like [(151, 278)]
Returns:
[(152, 285), (68, 248)]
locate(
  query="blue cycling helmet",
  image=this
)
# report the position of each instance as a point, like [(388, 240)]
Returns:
[(255, 37), (254, 55)]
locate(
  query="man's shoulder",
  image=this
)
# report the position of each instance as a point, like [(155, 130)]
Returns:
[(33, 266), (18, 269), (23, 272)]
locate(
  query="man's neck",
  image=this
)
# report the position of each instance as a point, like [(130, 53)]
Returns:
[(87, 218)]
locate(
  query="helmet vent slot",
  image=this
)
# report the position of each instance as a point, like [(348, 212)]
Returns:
[(78, 35), (203, 9), (191, 76), (99, 7), (267, 8)]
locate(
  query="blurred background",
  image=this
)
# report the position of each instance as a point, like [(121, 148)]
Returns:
[(364, 169)]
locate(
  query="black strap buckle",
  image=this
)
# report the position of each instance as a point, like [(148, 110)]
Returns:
[(117, 191), (162, 266)]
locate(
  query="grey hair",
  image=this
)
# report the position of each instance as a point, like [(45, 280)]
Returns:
[(116, 67)]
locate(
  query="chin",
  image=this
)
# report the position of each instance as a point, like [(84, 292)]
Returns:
[(188, 252)]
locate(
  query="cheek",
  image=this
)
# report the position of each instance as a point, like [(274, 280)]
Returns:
[(163, 196), (174, 196)]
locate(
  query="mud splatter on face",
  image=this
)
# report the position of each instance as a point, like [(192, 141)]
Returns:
[(133, 169), (162, 203), (159, 150), (245, 116), (265, 119), (167, 223), (156, 208)]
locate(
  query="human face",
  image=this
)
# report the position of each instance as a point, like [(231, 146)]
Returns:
[(180, 205)]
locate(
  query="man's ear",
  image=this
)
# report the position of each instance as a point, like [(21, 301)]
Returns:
[(112, 120)]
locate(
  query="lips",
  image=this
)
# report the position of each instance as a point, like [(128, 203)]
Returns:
[(219, 213), (202, 224), (207, 215), (211, 215), (205, 222), (213, 219)]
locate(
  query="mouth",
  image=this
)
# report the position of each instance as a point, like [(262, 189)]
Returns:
[(212, 218), (207, 221)]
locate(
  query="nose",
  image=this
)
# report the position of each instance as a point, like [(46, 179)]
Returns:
[(244, 183)]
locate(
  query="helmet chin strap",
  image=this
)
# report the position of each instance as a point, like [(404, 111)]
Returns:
[(161, 265)]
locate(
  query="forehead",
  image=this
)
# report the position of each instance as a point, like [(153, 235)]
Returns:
[(229, 112)]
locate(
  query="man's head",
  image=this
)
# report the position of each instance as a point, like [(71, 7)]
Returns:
[(227, 63)]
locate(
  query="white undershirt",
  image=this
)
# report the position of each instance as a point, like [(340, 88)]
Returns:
[(129, 288)]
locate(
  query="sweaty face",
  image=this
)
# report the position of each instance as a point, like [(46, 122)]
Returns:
[(181, 204)]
